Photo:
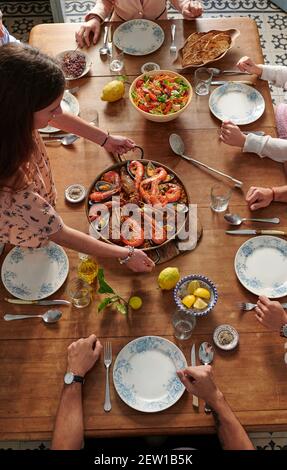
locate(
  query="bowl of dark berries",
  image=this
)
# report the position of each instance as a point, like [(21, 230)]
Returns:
[(75, 64)]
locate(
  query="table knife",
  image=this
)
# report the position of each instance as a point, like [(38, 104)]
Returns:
[(255, 232), (193, 363), (223, 82), (38, 302)]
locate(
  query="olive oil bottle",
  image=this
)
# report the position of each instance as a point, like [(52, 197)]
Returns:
[(88, 268)]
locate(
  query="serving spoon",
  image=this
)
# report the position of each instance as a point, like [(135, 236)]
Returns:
[(51, 316), (206, 355), (67, 140), (177, 145), (235, 219)]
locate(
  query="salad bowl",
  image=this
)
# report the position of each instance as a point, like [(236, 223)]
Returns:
[(160, 95)]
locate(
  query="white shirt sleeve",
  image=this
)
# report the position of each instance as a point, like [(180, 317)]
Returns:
[(7, 38), (266, 146), (276, 74)]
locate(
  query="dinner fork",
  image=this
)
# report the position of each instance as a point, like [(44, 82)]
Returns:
[(173, 47), (246, 306), (107, 362)]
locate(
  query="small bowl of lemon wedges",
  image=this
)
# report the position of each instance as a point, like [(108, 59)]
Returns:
[(196, 294)]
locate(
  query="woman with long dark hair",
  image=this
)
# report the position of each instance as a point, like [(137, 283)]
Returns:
[(31, 89)]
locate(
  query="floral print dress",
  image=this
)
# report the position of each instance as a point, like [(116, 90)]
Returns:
[(28, 216)]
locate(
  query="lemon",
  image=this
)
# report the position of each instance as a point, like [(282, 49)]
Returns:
[(200, 304), (135, 302), (192, 286), (113, 91), (188, 300), (168, 278), (202, 293)]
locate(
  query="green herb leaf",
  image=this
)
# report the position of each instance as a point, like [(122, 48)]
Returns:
[(122, 308), (162, 98), (104, 303), (104, 287)]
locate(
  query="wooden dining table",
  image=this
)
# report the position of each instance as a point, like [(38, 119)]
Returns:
[(33, 355)]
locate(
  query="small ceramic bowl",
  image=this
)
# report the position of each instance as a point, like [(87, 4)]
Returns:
[(226, 337), (75, 193), (180, 291), (69, 53), (149, 67)]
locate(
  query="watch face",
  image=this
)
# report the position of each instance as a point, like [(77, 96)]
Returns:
[(69, 378)]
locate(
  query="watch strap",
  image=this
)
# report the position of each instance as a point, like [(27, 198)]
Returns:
[(79, 378), (283, 331)]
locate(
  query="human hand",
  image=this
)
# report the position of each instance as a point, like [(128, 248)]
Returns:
[(93, 26), (140, 262), (258, 197), (83, 354), (232, 135), (118, 144), (270, 313), (245, 64), (191, 10), (199, 381)]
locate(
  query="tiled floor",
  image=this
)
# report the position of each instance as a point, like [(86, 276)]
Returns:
[(21, 16)]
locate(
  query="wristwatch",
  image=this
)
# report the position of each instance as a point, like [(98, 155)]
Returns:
[(70, 378), (283, 331)]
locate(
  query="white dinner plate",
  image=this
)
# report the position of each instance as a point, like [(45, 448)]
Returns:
[(145, 374), (35, 273), (261, 266), (237, 102), (138, 37), (69, 104)]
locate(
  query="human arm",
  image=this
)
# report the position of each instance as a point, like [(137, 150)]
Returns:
[(76, 125), (83, 243), (276, 74), (257, 197), (199, 381), (246, 64), (189, 9), (270, 313), (92, 23), (69, 426), (264, 146)]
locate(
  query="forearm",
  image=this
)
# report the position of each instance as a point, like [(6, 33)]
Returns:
[(280, 193), (81, 242), (103, 8), (276, 74), (266, 146), (230, 432), (69, 123), (69, 426)]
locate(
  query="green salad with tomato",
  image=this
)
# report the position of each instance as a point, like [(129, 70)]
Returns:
[(160, 94)]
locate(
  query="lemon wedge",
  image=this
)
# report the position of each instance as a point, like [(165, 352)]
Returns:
[(202, 293), (192, 286), (200, 304), (188, 301), (135, 302)]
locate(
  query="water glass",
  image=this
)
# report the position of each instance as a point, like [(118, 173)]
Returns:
[(80, 292), (116, 61), (220, 195), (183, 323), (202, 81)]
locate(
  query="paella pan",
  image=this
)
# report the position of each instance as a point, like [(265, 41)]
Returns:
[(139, 203)]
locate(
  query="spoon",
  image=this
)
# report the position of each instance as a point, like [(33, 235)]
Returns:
[(235, 219), (177, 145), (51, 316), (104, 50), (206, 354), (67, 140), (216, 71)]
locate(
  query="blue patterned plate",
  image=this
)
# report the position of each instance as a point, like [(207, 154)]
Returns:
[(35, 273), (138, 37), (145, 374), (261, 266), (236, 102)]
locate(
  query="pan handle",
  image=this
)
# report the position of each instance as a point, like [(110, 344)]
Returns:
[(121, 158)]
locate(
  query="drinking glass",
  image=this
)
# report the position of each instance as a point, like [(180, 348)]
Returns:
[(183, 323), (80, 292), (220, 195), (116, 61), (202, 81)]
